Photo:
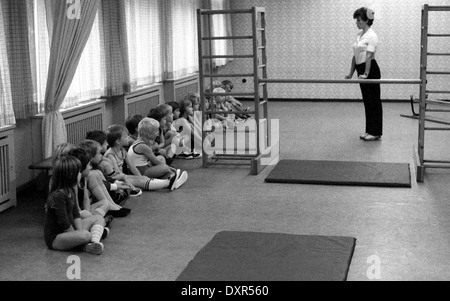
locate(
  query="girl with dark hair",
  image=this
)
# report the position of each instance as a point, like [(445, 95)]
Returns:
[(63, 228), (367, 68)]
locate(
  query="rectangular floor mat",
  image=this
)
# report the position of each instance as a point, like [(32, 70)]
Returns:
[(253, 256), (341, 173)]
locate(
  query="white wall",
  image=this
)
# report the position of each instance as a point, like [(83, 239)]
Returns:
[(313, 38)]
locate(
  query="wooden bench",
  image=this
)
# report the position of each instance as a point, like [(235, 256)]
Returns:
[(42, 183), (45, 165)]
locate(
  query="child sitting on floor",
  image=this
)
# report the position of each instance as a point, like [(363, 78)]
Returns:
[(174, 143), (90, 194), (117, 139), (191, 132), (143, 157), (63, 227), (235, 104), (131, 124)]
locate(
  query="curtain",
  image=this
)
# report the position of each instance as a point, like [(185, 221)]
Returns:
[(181, 37), (144, 32), (6, 108), (220, 26), (89, 81), (18, 50), (68, 40), (114, 47)]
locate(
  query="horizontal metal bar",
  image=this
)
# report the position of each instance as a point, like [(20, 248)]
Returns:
[(237, 158), (427, 119), (235, 56), (438, 54), (260, 29), (438, 8), (437, 92), (435, 110), (343, 81), (439, 72), (228, 112), (261, 66), (436, 161), (261, 47), (228, 163), (228, 75), (247, 157), (226, 11), (437, 129), (228, 38), (230, 94), (438, 35), (440, 102), (436, 166)]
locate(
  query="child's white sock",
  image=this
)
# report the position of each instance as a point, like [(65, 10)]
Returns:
[(156, 184), (96, 233)]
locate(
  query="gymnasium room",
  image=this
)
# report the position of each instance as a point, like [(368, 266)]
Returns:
[(315, 146)]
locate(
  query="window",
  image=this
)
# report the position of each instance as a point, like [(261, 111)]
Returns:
[(6, 107), (88, 83), (182, 44), (144, 28)]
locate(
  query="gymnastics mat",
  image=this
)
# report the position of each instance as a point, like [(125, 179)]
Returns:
[(252, 256), (341, 173)]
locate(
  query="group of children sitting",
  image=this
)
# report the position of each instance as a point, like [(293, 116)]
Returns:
[(91, 180)]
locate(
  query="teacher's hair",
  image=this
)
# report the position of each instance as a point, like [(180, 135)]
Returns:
[(362, 13)]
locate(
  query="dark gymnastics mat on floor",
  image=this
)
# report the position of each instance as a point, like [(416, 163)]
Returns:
[(252, 256), (341, 173)]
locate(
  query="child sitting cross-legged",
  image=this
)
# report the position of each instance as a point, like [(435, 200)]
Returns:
[(118, 190), (117, 139), (63, 228), (143, 157)]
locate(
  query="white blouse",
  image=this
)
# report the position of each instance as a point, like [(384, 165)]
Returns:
[(365, 42)]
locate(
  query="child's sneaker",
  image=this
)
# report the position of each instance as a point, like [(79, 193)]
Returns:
[(105, 232), (135, 192), (181, 180), (108, 219), (186, 156), (174, 179), (196, 155), (95, 248)]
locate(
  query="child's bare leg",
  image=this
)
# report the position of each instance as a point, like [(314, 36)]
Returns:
[(100, 208), (99, 191), (69, 240), (161, 171)]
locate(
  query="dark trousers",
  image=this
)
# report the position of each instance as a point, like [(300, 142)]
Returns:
[(371, 94)]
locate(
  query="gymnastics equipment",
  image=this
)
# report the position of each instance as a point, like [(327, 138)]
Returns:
[(258, 13), (420, 160), (263, 148)]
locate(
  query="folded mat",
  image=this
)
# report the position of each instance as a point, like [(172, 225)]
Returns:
[(252, 256)]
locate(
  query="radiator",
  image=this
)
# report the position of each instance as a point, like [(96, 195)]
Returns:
[(81, 121), (7, 170)]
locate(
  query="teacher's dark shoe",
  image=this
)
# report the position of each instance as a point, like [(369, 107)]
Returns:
[(372, 138)]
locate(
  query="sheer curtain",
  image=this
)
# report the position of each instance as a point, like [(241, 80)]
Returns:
[(145, 47), (89, 80), (221, 26), (6, 106), (181, 37)]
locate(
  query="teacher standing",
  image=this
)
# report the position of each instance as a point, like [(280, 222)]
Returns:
[(367, 68)]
